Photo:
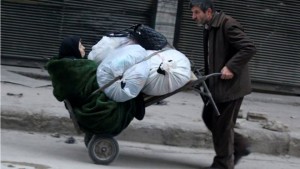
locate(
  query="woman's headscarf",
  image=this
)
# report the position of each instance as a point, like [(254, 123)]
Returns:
[(69, 48)]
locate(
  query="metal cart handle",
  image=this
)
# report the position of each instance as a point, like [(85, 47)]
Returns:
[(206, 92)]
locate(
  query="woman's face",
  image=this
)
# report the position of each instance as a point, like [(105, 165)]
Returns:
[(81, 49)]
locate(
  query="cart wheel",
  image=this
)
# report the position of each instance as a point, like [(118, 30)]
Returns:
[(103, 149)]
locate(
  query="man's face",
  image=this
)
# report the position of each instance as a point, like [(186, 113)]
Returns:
[(200, 17)]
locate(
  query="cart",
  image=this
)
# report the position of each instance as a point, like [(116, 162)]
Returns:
[(104, 149)]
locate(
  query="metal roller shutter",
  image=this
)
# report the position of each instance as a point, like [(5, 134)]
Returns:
[(33, 29), (274, 26), (30, 31)]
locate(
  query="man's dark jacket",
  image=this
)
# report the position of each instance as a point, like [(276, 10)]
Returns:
[(229, 46)]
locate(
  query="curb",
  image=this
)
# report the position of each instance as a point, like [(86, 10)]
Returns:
[(262, 141)]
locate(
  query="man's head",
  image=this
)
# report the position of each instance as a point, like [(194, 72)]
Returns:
[(202, 11)]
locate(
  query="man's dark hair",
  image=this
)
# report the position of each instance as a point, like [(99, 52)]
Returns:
[(202, 4)]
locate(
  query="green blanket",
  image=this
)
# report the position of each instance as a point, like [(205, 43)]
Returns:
[(75, 80)]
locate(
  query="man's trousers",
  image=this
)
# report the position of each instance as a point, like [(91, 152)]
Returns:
[(226, 141)]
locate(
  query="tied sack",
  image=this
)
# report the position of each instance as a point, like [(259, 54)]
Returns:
[(106, 45), (130, 85), (169, 70), (116, 64), (148, 38)]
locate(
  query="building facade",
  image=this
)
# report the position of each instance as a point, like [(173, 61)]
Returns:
[(32, 30)]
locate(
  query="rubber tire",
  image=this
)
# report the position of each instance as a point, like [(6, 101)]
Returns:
[(106, 153)]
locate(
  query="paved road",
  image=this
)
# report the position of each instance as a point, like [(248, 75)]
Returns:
[(28, 104), (24, 150)]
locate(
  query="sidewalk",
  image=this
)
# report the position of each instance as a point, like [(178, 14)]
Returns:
[(271, 122)]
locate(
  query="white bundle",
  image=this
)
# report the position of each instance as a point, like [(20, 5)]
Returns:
[(169, 70), (106, 45), (130, 85), (116, 64)]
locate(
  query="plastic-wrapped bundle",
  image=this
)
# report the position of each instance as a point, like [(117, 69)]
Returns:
[(116, 64), (169, 70), (106, 45), (130, 85)]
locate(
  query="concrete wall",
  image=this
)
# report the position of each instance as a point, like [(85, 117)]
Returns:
[(166, 18)]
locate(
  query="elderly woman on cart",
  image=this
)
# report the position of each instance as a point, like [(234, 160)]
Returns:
[(74, 79)]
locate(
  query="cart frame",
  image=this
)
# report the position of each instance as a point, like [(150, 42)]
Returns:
[(104, 149)]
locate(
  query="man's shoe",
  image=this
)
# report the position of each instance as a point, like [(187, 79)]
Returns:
[(239, 155)]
